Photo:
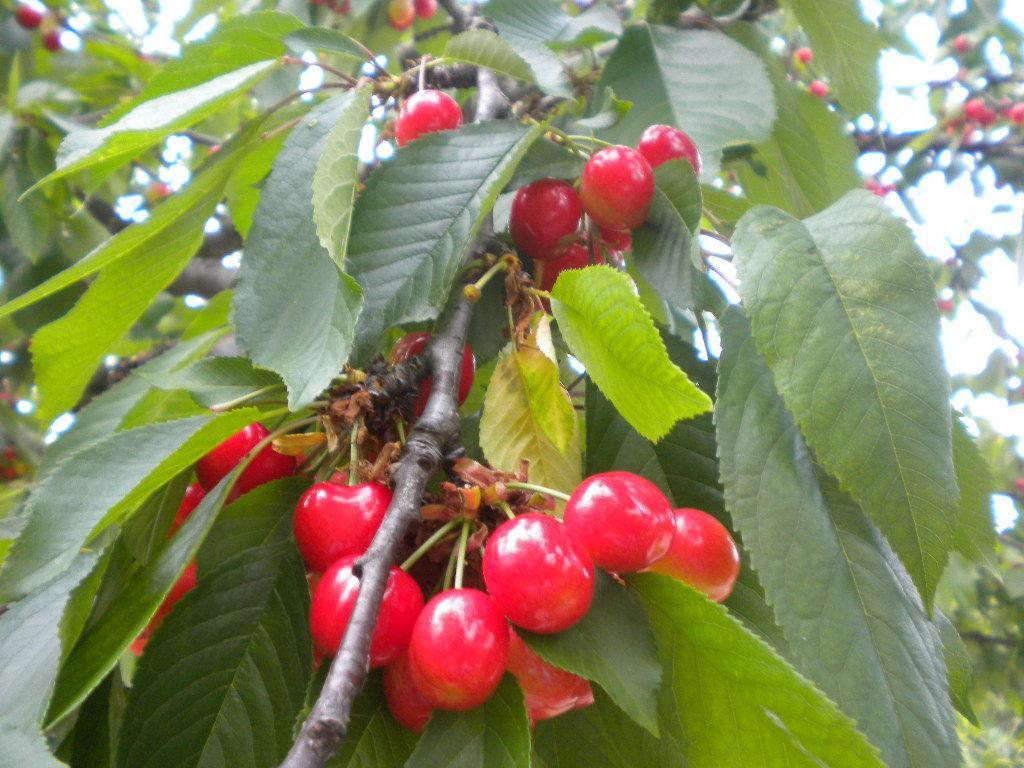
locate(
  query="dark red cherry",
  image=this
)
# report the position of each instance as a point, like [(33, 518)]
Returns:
[(702, 554), (426, 111), (616, 239), (540, 578), (51, 40), (413, 344), (459, 649), (623, 520), (661, 143), (266, 466), (617, 187), (544, 219), (547, 690), (576, 257), (193, 495), (28, 17), (335, 598), (404, 699), (333, 520)]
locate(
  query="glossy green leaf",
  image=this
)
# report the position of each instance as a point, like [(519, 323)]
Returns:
[(730, 701), (337, 177), (418, 217), (232, 662), (103, 149), (494, 735), (974, 536), (609, 331), (28, 223), (842, 308), (99, 485), (611, 646), (295, 311), (374, 738), (322, 39), (846, 47), (959, 667), (483, 48), (214, 380), (512, 427), (528, 25), (700, 82), (851, 617)]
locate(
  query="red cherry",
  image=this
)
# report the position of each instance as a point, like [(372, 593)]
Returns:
[(268, 464), (333, 521), (335, 598), (661, 143), (617, 187), (401, 15), (702, 554), (804, 55), (576, 257), (545, 216), (425, 112), (537, 575), (945, 306), (1016, 113), (185, 583), (51, 40), (193, 495), (28, 17), (404, 699), (413, 344), (425, 8), (962, 44), (622, 519), (1018, 485), (618, 239), (547, 690), (977, 110), (459, 649), (819, 88)]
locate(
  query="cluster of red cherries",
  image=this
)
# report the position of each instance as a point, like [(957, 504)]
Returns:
[(402, 13), (615, 191), (31, 17)]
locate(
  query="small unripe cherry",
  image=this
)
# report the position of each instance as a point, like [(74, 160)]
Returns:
[(413, 344), (702, 554), (458, 651), (425, 9), (28, 17), (401, 14), (661, 143), (818, 88), (333, 521), (804, 55), (426, 111), (617, 187), (623, 520), (404, 699), (547, 690), (335, 598), (544, 218)]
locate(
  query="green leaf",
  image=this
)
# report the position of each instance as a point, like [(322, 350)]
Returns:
[(419, 215), (106, 148), (612, 646), (510, 430), (253, 521), (374, 738), (609, 331), (29, 223), (959, 668), (809, 161), (337, 176), (547, 160), (98, 486), (842, 307), (665, 247), (146, 531), (484, 48), (494, 735), (601, 736), (846, 47), (700, 82), (730, 701), (214, 380), (528, 25), (295, 311), (974, 536), (232, 662), (25, 748), (66, 353), (321, 39), (852, 620)]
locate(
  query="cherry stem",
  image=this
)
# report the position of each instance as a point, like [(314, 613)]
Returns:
[(506, 509), (450, 569), (422, 84), (241, 399), (460, 562), (539, 292), (590, 139), (400, 427), (353, 453), (429, 544), (538, 489)]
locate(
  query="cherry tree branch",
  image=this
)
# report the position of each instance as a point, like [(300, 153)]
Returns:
[(434, 438)]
